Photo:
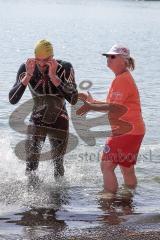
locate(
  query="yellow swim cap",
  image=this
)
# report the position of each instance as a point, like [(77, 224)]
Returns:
[(43, 49)]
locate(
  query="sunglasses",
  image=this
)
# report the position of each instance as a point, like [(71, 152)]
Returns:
[(111, 56)]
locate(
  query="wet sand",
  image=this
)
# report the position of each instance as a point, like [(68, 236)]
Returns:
[(42, 224), (104, 233)]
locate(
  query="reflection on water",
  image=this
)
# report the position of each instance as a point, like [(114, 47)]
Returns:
[(116, 206), (37, 220)]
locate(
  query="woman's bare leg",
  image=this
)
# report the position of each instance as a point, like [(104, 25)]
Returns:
[(129, 176), (109, 177)]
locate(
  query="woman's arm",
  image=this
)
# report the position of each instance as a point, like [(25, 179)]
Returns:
[(88, 97), (101, 107), (87, 106)]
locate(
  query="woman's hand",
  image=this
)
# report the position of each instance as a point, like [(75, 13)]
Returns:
[(85, 108), (30, 66), (86, 97)]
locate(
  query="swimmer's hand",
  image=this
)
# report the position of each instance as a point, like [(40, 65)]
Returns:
[(53, 65), (30, 66)]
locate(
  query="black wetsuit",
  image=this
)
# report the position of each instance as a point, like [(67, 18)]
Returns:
[(49, 116)]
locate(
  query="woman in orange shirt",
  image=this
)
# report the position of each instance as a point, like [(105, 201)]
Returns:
[(125, 117)]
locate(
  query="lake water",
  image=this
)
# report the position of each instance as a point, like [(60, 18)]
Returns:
[(80, 31)]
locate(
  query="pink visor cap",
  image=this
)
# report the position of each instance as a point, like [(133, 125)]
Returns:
[(118, 50)]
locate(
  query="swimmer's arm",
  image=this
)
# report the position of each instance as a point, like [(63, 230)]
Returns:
[(18, 88), (67, 86)]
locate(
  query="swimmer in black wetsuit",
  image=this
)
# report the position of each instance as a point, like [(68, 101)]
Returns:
[(50, 82)]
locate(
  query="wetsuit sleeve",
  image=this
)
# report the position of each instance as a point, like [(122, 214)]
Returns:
[(67, 87), (18, 88)]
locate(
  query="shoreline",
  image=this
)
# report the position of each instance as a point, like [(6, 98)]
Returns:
[(64, 230), (105, 232)]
